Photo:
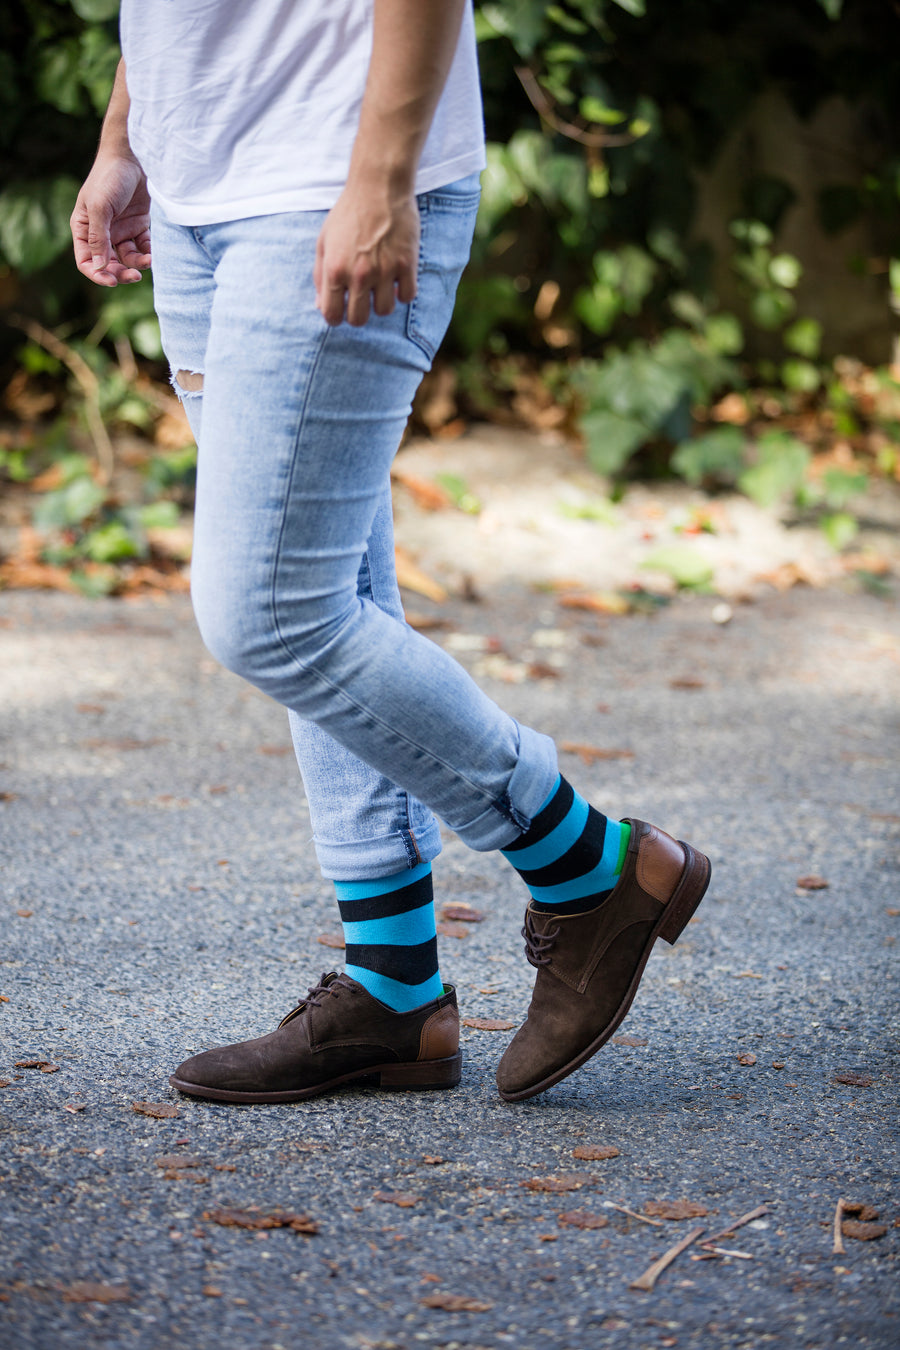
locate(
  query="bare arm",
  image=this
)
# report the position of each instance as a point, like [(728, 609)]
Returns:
[(111, 221), (368, 250)]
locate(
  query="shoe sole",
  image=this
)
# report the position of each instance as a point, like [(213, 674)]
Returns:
[(686, 897), (425, 1076)]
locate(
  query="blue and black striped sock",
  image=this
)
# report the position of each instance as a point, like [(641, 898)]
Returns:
[(390, 937), (571, 856)]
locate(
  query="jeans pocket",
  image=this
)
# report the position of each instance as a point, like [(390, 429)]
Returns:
[(447, 224)]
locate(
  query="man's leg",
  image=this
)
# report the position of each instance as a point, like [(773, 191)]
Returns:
[(365, 825)]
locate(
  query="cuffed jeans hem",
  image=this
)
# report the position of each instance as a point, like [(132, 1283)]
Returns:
[(529, 786), (370, 859)]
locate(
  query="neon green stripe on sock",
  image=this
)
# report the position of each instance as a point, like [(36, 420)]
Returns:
[(623, 845)]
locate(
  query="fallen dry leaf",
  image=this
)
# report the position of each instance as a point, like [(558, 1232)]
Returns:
[(247, 1218), (628, 1040), (812, 883), (598, 602), (861, 1231), (427, 495), (174, 1174), (433, 1159), (581, 1218), (167, 1160), (121, 743), (5, 1082), (158, 1110), (211, 1291), (853, 1079), (24, 913), (488, 1023), (331, 940), (273, 750), (747, 1058), (687, 682), (404, 1199), (594, 1152), (455, 1303), (89, 1291), (462, 913), (452, 930), (569, 1181), (675, 1209), (591, 753), (859, 1211), (412, 578), (75, 1107), (44, 1065)]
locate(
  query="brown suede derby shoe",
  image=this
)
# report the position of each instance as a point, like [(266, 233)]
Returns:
[(339, 1033), (589, 965)]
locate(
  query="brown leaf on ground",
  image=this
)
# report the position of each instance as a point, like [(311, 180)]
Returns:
[(602, 602), (426, 494), (5, 1082), (13, 796), (173, 1174), (861, 1231), (273, 750), (24, 575), (853, 1079), (540, 670), (167, 1160), (412, 578), (894, 913), (488, 1023), (860, 1211), (687, 682), (211, 1291), (433, 1159), (675, 1209), (121, 743), (569, 1181), (25, 913), (455, 1303), (157, 1110), (258, 1222), (813, 882), (595, 1152), (628, 1040), (581, 1218), (45, 1065), (746, 1058), (591, 753), (404, 1199), (331, 940), (463, 913), (74, 1107), (452, 930), (90, 1291)]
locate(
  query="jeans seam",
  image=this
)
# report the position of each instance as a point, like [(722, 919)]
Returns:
[(312, 668)]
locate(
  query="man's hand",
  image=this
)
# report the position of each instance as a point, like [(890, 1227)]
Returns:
[(367, 255), (111, 222)]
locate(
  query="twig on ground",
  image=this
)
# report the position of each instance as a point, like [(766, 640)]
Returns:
[(657, 1223), (646, 1281), (838, 1248), (722, 1251), (738, 1223)]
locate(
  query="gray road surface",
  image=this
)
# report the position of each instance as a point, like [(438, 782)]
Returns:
[(159, 895)]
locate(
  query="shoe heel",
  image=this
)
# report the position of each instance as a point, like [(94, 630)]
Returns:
[(422, 1075), (687, 895)]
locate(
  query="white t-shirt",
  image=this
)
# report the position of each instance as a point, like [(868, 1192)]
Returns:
[(250, 107)]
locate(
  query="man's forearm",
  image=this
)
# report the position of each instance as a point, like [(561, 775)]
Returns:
[(412, 50), (114, 133)]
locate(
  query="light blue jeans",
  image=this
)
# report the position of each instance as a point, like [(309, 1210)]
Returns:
[(293, 577)]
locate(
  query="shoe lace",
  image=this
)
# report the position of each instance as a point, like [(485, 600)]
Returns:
[(538, 945), (332, 986)]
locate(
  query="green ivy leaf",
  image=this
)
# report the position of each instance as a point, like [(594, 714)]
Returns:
[(840, 529), (69, 505), (611, 440), (688, 568), (718, 454), (781, 468), (804, 337)]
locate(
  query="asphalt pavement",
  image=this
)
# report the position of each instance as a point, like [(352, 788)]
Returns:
[(160, 895)]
